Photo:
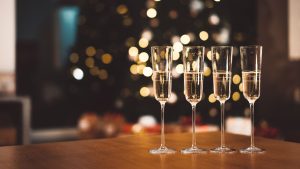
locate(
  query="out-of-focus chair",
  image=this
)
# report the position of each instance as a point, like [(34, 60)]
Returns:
[(15, 116)]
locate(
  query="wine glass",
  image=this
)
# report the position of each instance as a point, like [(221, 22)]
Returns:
[(221, 65), (193, 63), (162, 84), (251, 58)]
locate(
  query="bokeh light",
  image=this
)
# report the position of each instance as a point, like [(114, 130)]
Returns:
[(122, 9), (213, 112), (151, 13), (177, 46), (236, 96), (140, 69), (94, 71), (78, 74), (241, 87), (236, 79), (174, 73), (212, 98), (173, 98), (154, 22), (214, 19), (143, 57), (74, 58), (89, 62), (173, 14), (176, 55), (192, 36), (106, 58), (103, 75), (185, 39), (147, 34), (127, 21), (90, 51), (207, 71), (175, 39), (134, 69), (179, 68), (144, 91), (133, 53), (147, 71), (203, 35), (143, 42), (130, 41), (208, 55)]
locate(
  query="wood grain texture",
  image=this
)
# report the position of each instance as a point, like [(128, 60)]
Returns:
[(132, 153)]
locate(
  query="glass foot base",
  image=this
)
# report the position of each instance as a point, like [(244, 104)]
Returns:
[(252, 149), (223, 150), (162, 150), (193, 150)]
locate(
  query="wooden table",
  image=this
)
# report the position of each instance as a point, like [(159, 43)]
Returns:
[(132, 153)]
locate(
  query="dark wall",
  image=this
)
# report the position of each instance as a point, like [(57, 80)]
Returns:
[(280, 76)]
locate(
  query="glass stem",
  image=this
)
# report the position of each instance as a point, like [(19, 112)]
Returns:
[(162, 137), (222, 104), (193, 125), (252, 122)]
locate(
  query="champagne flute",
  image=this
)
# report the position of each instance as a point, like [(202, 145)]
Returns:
[(193, 63), (251, 58), (221, 65), (162, 84)]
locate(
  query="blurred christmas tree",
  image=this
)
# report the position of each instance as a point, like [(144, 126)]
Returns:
[(109, 31)]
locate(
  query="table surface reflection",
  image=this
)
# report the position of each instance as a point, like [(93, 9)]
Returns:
[(131, 152)]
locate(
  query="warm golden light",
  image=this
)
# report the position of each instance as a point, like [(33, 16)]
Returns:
[(151, 13), (147, 71), (203, 35), (134, 69), (94, 71), (236, 96), (133, 53), (89, 62), (103, 75), (143, 57), (177, 46), (90, 51), (179, 68), (122, 9), (106, 58), (176, 55), (173, 98), (207, 71), (185, 39), (236, 79), (140, 69), (144, 91), (74, 58), (208, 55), (143, 42), (147, 34), (212, 98), (241, 87), (214, 19)]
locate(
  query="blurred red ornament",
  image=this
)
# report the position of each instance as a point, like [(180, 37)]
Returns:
[(93, 126)]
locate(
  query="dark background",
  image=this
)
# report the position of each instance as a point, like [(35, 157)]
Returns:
[(58, 99)]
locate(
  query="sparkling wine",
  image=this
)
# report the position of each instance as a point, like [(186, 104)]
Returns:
[(222, 82), (251, 85), (193, 87), (162, 85)]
